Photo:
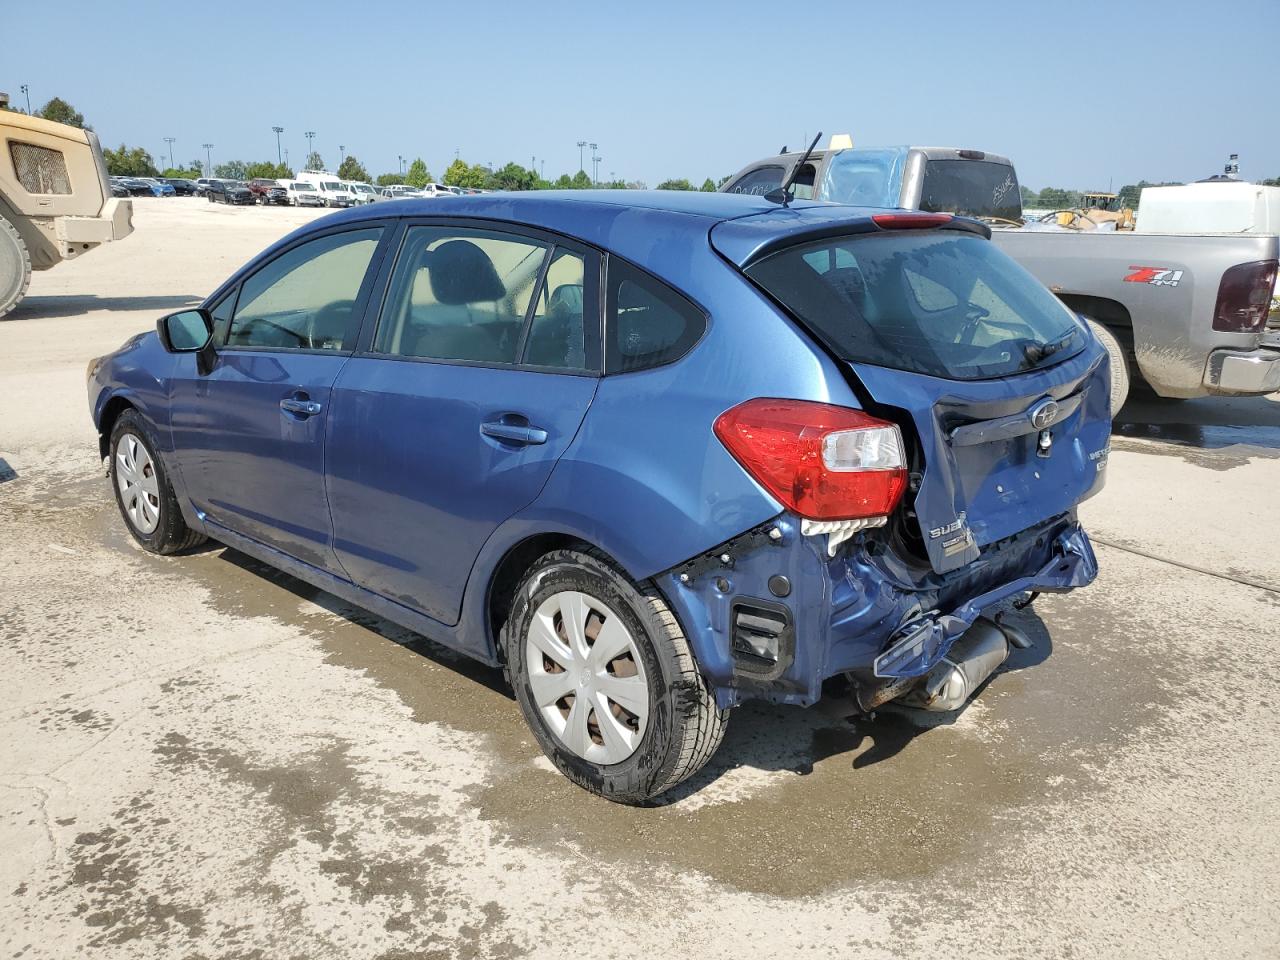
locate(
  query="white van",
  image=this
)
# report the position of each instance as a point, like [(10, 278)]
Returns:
[(302, 193), (331, 189), (362, 192)]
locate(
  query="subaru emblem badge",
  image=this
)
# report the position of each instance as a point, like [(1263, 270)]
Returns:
[(1043, 414)]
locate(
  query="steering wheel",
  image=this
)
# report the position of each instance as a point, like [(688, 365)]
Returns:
[(302, 339)]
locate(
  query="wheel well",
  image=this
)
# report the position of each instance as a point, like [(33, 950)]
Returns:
[(1109, 313), (110, 414), (511, 569)]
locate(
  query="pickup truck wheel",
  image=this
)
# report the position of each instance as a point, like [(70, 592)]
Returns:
[(1120, 376), (606, 680), (144, 494), (15, 267)]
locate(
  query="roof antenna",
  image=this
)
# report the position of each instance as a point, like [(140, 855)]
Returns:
[(783, 194)]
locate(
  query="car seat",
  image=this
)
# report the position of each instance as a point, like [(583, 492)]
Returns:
[(453, 328), (556, 339)]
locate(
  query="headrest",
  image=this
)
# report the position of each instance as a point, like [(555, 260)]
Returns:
[(565, 299), (462, 273)]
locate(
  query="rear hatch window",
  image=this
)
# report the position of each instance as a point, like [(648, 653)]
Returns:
[(971, 188), (941, 303)]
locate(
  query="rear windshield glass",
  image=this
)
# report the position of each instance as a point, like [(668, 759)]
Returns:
[(971, 188), (940, 303)]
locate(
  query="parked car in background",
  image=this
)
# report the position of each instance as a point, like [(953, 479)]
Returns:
[(202, 184), (302, 194), (118, 189), (228, 191), (266, 191), (136, 186), (398, 191), (159, 187), (643, 533), (182, 186)]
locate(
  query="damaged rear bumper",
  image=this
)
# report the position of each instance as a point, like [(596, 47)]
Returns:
[(771, 616), (921, 643)]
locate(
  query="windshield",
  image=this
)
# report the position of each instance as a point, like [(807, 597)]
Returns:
[(971, 188), (304, 187), (865, 178), (942, 303), (330, 186)]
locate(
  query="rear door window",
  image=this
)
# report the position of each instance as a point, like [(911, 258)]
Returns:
[(460, 294), (942, 303)]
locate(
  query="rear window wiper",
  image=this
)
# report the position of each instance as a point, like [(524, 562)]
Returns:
[(1038, 352)]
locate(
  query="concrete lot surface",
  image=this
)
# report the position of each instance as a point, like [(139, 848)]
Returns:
[(201, 758)]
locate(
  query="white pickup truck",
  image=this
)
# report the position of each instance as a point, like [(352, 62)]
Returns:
[(1182, 314)]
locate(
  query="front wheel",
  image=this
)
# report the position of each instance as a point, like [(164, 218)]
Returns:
[(606, 680), (15, 267), (143, 491), (1120, 377)]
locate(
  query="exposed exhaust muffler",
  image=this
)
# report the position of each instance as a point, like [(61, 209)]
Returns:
[(973, 658)]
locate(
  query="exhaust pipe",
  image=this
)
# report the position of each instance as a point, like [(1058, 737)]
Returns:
[(970, 661)]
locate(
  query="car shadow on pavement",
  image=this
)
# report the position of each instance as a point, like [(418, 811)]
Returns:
[(46, 308), (7, 472), (761, 736), (776, 738)]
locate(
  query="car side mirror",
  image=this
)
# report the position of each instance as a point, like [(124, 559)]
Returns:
[(189, 331)]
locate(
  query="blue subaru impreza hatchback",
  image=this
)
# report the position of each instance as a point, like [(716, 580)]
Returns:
[(653, 453)]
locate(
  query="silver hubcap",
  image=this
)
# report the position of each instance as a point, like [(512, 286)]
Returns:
[(587, 678), (139, 488)]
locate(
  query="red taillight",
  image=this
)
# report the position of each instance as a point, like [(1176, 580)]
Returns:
[(1244, 297), (821, 461), (910, 221)]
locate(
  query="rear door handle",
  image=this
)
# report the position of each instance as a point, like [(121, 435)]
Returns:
[(303, 408), (513, 432)]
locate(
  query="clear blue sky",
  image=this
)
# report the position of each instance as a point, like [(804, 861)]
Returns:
[(1078, 94)]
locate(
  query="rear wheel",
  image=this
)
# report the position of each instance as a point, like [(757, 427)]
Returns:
[(143, 491), (606, 679), (15, 267), (1120, 374)]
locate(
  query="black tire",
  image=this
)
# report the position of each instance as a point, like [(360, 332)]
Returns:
[(685, 726), (171, 534), (1121, 377), (15, 267)]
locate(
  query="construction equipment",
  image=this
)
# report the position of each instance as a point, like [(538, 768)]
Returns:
[(55, 199)]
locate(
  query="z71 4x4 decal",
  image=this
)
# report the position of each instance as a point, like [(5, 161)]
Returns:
[(1156, 276)]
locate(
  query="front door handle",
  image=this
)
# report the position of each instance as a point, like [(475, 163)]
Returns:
[(513, 432), (303, 408)]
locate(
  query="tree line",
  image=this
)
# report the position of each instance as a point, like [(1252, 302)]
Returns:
[(136, 162)]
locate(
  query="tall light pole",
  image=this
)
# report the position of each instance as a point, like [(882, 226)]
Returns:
[(342, 154), (278, 131), (594, 158), (26, 92), (581, 144), (401, 159), (208, 159), (310, 135), (170, 142)]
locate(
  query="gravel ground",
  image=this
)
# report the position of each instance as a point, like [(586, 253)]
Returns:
[(200, 757)]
